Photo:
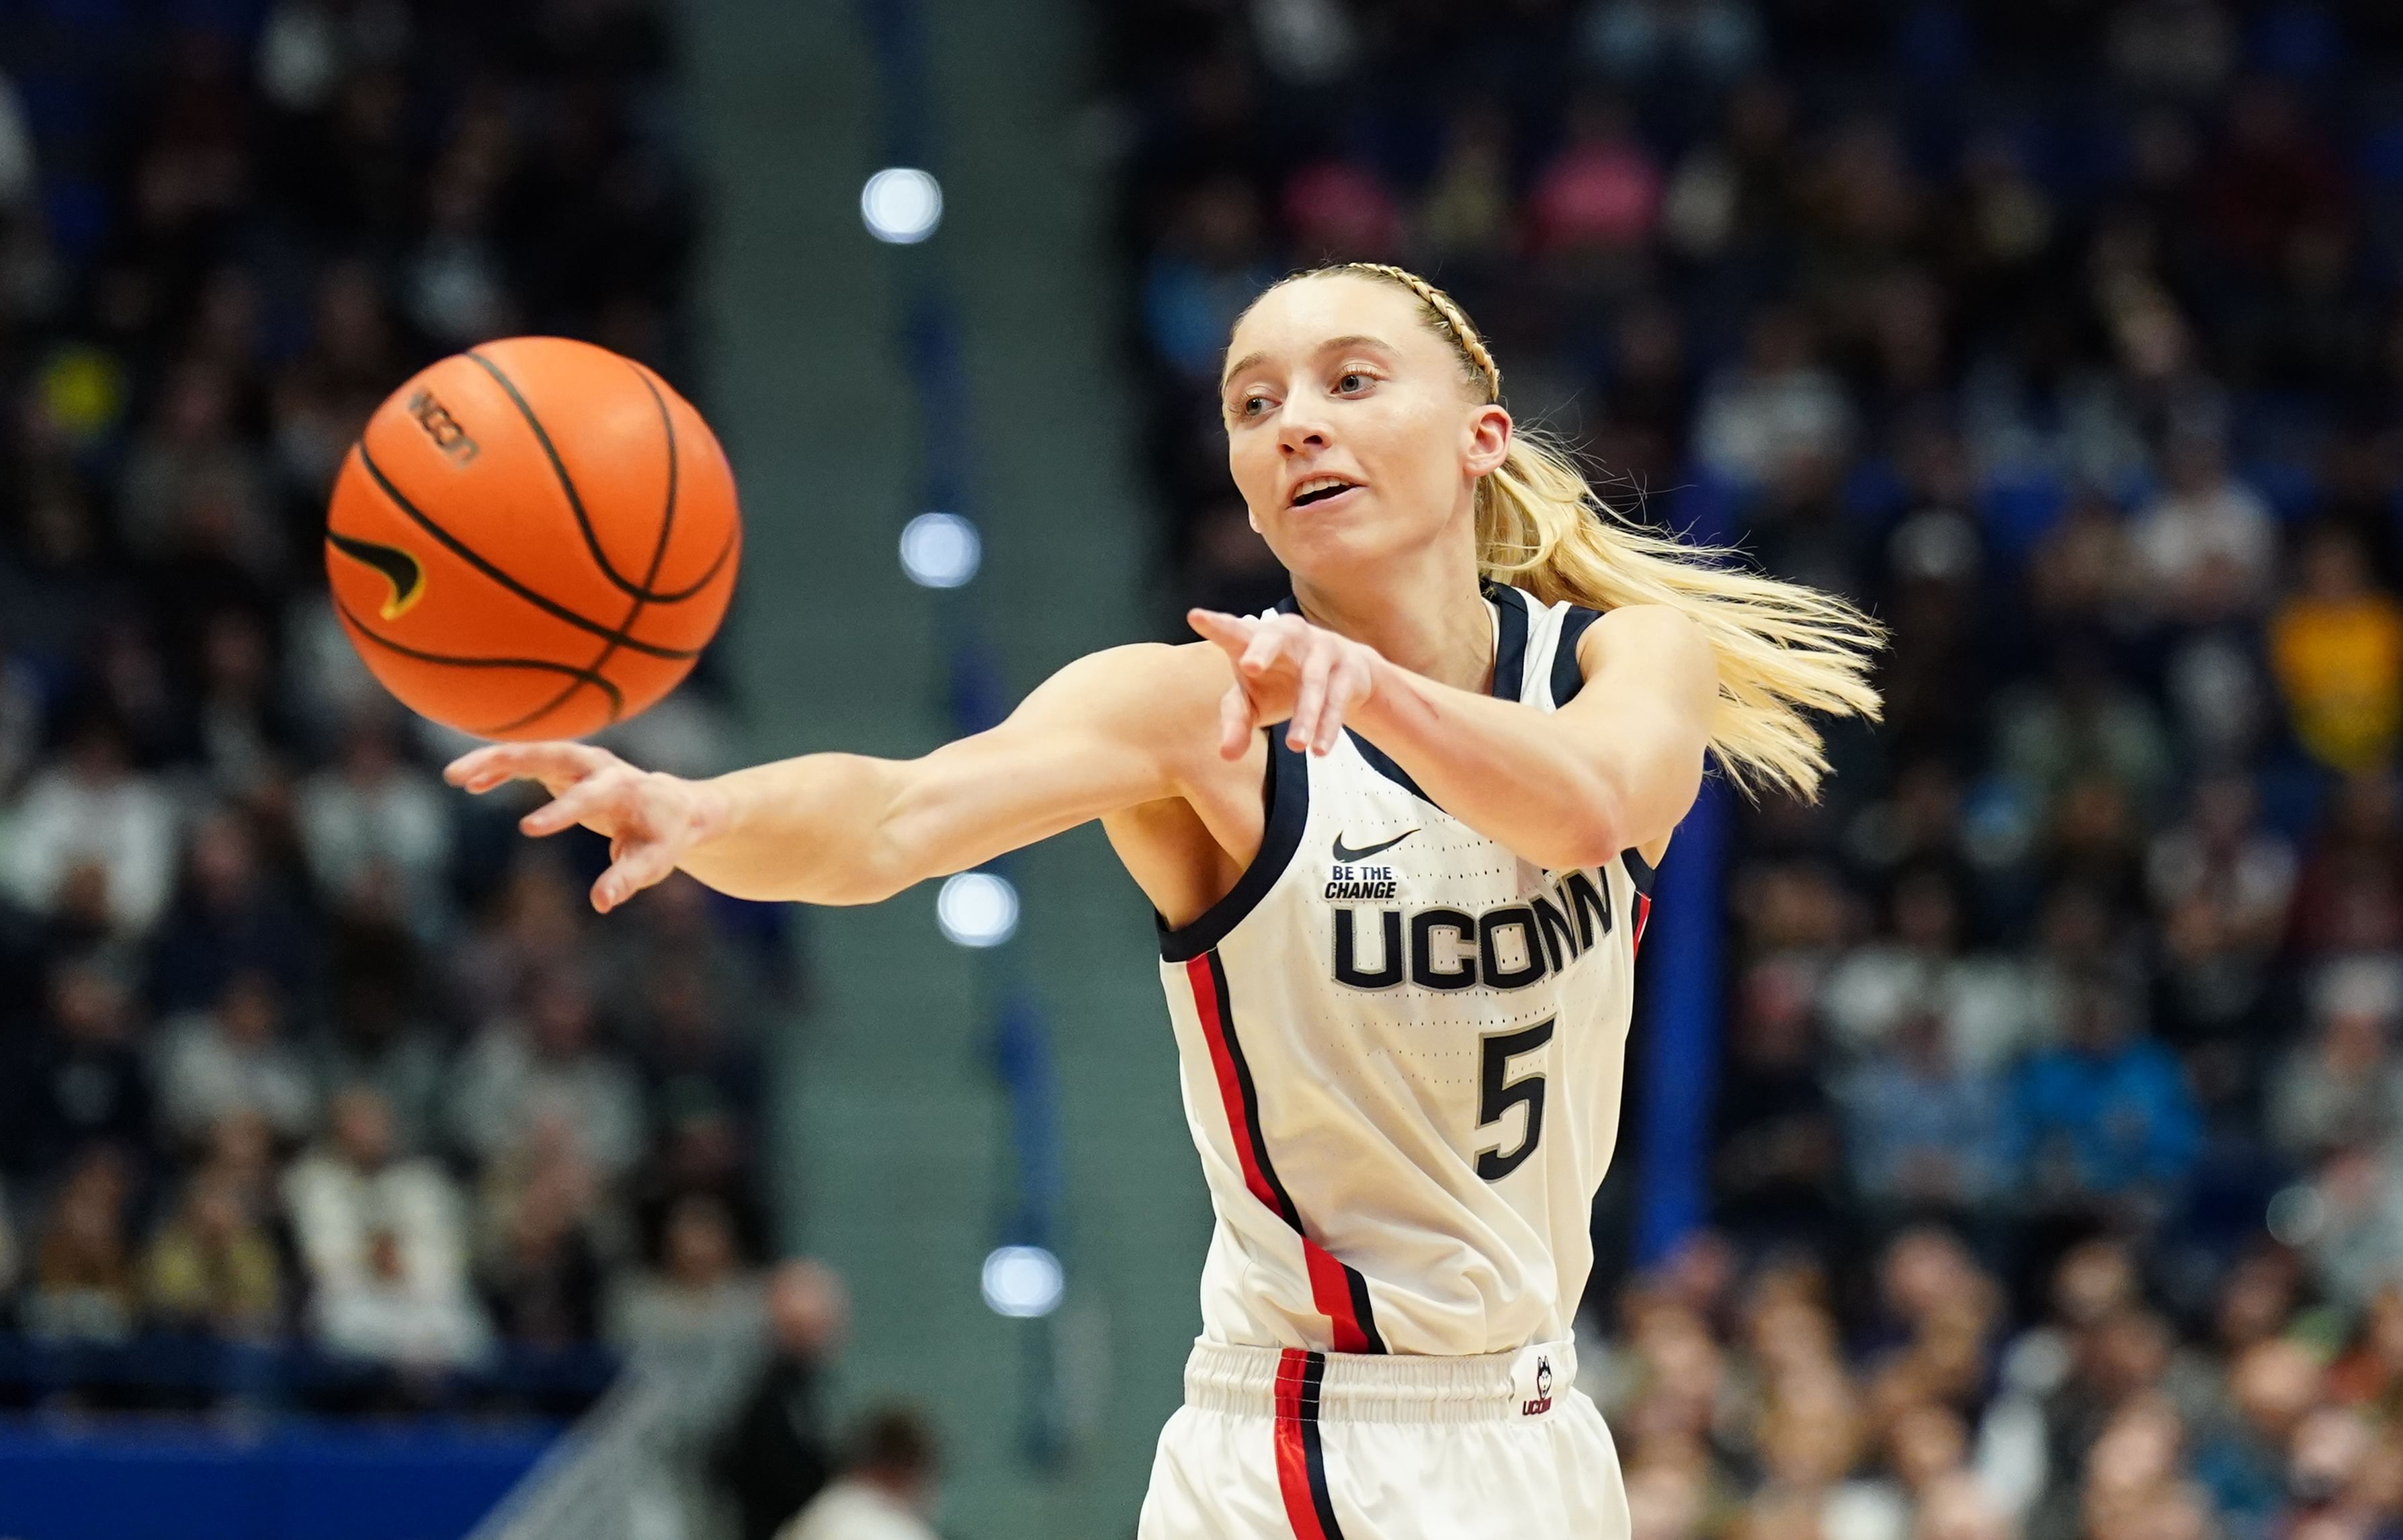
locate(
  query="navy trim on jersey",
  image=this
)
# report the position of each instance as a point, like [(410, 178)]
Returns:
[(1284, 794), (1510, 670), (1568, 675), (1639, 871), (1510, 639)]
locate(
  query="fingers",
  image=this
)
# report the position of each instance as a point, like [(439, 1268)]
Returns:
[(598, 797), (496, 764), (1349, 686), (1230, 631), (638, 866), (1310, 702), (1271, 643), (1236, 720)]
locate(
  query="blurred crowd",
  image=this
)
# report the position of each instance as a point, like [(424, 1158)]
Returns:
[(316, 1081), (2058, 1159)]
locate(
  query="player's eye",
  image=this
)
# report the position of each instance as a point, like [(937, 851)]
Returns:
[(1352, 383), (1251, 405)]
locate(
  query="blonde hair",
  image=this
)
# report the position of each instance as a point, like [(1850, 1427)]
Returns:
[(1784, 649)]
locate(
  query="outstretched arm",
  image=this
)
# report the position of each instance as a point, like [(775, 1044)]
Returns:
[(1614, 769), (1108, 732)]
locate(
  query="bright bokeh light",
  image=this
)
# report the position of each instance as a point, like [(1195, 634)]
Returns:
[(901, 204), (976, 909), (1023, 1282), (940, 550)]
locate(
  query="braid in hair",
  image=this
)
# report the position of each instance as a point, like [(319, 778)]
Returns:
[(1784, 650), (1449, 318)]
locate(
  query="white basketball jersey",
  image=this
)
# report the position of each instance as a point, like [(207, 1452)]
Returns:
[(1401, 1048)]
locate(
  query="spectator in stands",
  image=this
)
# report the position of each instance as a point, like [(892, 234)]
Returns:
[(93, 806), (1210, 269), (384, 1244), (886, 1492), (1777, 1146), (189, 448), (1782, 407), (2353, 1238), (235, 1058), (2273, 1388), (375, 816), (242, 724), (374, 1035), (2336, 643), (232, 913), (539, 1252), (79, 1080), (2349, 897), (2343, 1087), (2206, 548), (699, 1297), (2105, 1115), (536, 922), (546, 1060), (83, 1287), (1981, 1005), (1921, 1132), (690, 1061), (211, 1267), (1600, 198), (775, 1454)]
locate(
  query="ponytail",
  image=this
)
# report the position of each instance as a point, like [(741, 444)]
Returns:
[(1784, 649)]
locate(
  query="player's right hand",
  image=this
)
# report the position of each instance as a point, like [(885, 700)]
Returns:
[(651, 820)]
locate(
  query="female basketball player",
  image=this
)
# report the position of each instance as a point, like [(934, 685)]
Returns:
[(1398, 929)]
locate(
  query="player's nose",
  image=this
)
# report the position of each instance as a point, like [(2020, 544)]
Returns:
[(1301, 433)]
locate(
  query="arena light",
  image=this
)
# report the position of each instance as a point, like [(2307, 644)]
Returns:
[(940, 550), (1023, 1282), (976, 909), (901, 204)]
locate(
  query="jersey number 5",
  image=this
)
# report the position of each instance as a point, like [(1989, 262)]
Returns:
[(1498, 1093)]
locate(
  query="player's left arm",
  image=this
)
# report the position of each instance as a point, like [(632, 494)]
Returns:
[(1614, 769)]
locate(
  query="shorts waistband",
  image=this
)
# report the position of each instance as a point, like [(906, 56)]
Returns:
[(1357, 1387)]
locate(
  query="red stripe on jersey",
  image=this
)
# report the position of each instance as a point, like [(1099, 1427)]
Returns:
[(1293, 1448), (1231, 1089), (1643, 913), (1341, 1294), (1330, 1290)]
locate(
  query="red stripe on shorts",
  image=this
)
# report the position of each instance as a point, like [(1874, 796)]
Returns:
[(1301, 1462)]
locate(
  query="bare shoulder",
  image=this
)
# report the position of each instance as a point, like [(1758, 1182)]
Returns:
[(1642, 629)]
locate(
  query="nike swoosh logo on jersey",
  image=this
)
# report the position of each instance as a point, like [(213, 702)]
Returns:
[(1345, 855)]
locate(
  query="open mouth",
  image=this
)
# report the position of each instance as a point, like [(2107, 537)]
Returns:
[(1318, 489)]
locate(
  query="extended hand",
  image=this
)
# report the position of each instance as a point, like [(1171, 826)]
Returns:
[(1287, 670), (650, 820)]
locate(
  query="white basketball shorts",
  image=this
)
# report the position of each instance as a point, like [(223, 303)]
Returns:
[(1280, 1444)]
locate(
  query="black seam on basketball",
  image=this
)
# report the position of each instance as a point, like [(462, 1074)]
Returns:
[(658, 554), (549, 606), (658, 559), (575, 503), (543, 665)]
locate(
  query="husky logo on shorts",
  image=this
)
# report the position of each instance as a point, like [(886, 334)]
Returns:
[(1542, 1401)]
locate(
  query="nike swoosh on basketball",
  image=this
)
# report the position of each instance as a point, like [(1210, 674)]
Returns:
[(1345, 855)]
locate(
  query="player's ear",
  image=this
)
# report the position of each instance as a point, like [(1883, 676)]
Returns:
[(1488, 439)]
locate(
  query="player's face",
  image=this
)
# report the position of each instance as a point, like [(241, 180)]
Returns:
[(1349, 430)]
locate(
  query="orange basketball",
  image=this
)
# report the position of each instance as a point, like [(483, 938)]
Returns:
[(534, 538)]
